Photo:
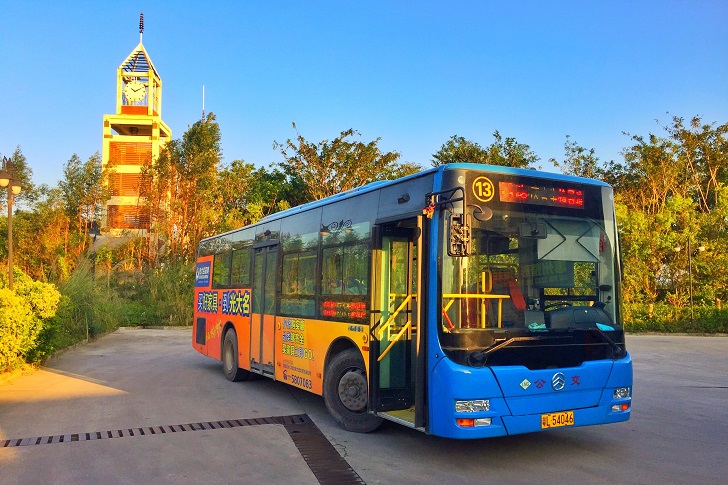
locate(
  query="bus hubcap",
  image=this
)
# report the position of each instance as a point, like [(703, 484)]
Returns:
[(353, 390)]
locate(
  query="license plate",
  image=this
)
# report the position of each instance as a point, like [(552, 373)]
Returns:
[(556, 420)]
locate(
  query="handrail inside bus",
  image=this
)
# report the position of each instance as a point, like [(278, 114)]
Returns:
[(482, 297), (394, 315), (395, 340)]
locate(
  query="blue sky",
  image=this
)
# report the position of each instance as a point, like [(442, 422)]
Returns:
[(412, 73)]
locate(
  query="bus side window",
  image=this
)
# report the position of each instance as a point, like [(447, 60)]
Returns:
[(344, 276), (297, 284), (241, 267), (221, 270), (356, 269)]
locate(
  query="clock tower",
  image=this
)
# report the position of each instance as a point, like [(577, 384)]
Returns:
[(133, 137)]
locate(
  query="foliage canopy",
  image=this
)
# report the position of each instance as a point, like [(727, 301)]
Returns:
[(671, 197)]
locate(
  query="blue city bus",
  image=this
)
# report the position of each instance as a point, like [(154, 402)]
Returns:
[(466, 301)]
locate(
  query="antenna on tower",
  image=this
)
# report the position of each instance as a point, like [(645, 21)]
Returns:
[(141, 26), (203, 102)]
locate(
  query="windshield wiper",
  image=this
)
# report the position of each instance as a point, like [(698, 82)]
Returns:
[(619, 352), (479, 357)]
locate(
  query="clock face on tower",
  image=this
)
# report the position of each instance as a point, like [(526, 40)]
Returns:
[(134, 91)]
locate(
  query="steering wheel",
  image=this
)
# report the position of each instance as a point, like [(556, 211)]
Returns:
[(557, 304)]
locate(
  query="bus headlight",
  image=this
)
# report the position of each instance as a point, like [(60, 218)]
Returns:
[(621, 393), (472, 406)]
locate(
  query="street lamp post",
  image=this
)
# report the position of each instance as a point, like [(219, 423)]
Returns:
[(700, 249), (690, 281), (7, 179)]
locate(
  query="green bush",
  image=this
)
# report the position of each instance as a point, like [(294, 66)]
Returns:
[(663, 317), (134, 313), (171, 292), (90, 307), (24, 314), (86, 310)]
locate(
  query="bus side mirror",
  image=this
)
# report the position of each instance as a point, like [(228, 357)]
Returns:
[(460, 237)]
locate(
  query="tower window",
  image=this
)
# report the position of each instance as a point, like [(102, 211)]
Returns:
[(125, 184), (129, 153), (128, 217)]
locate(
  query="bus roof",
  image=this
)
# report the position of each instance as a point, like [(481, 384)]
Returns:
[(442, 168), (450, 166), (524, 172), (343, 195)]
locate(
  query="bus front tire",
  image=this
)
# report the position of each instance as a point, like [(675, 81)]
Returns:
[(346, 393), (230, 366)]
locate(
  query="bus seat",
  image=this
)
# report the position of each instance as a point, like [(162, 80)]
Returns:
[(504, 282), (516, 295)]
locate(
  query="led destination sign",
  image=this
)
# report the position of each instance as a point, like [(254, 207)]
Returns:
[(564, 196)]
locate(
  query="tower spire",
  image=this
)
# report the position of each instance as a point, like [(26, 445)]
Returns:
[(141, 26)]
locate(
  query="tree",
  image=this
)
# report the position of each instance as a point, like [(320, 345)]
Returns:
[(459, 150), (24, 174), (691, 162), (650, 174), (326, 168), (579, 161), (508, 152), (179, 189), (247, 193), (81, 190), (672, 195), (42, 240), (702, 149)]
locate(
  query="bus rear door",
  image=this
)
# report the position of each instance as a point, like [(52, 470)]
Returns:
[(262, 329)]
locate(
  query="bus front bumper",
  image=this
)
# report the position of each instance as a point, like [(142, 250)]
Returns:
[(493, 426), (461, 408)]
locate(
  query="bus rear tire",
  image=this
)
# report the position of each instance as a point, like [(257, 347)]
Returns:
[(230, 366), (346, 393)]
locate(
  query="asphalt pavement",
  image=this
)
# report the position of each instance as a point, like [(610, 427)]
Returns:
[(141, 406)]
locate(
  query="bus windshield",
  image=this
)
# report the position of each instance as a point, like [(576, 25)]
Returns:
[(536, 287)]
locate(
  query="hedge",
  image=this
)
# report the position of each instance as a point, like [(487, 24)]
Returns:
[(23, 313)]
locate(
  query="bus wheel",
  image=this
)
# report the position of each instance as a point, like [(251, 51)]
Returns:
[(230, 368), (346, 395)]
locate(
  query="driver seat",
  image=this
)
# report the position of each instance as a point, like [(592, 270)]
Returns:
[(504, 282)]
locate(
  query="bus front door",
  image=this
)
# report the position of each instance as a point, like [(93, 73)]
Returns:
[(262, 330), (393, 351)]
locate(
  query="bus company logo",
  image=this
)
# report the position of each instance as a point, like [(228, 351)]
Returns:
[(236, 302), (202, 274), (558, 381)]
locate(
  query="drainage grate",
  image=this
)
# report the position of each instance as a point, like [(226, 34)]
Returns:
[(320, 455), (152, 430), (322, 458)]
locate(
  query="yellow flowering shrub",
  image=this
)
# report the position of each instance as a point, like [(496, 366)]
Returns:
[(23, 313)]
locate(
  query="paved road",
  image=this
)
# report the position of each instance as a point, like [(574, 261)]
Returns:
[(152, 379)]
